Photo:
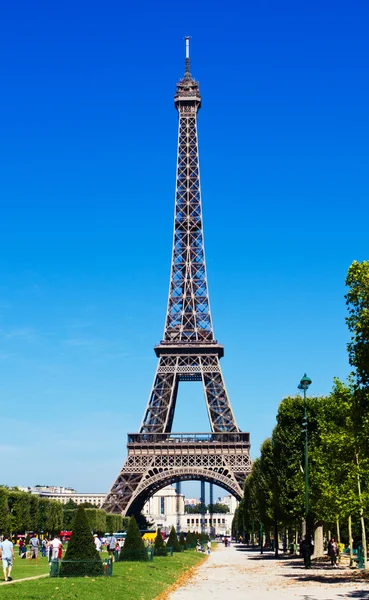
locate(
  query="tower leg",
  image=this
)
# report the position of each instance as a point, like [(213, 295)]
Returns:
[(203, 506), (178, 507), (211, 509)]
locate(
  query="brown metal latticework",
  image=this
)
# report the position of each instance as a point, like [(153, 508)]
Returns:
[(188, 352)]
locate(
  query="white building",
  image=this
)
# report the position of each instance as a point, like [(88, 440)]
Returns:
[(167, 509)]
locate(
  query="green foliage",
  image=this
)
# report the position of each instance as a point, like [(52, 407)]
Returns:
[(173, 541), (357, 300), (81, 551), (96, 519), (4, 511), (34, 512), (20, 511), (68, 517), (193, 510), (160, 548), (134, 548), (190, 540), (116, 522), (182, 540), (203, 538), (218, 507)]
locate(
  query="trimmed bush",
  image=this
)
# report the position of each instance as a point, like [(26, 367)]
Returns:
[(182, 541), (81, 551), (134, 547), (160, 548), (173, 541)]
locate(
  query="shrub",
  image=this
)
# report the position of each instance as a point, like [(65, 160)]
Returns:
[(160, 548), (173, 541), (81, 551), (134, 548), (182, 540)]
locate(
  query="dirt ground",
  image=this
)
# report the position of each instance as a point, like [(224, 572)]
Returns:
[(237, 572)]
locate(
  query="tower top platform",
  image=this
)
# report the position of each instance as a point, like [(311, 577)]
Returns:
[(188, 90)]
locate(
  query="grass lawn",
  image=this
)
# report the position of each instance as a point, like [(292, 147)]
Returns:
[(23, 568), (130, 580)]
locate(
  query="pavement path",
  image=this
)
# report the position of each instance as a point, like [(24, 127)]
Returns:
[(238, 572)]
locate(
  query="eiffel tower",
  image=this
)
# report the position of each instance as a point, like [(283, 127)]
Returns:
[(188, 352)]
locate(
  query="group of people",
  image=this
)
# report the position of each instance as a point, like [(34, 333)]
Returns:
[(201, 547), (52, 548), (111, 543), (307, 550)]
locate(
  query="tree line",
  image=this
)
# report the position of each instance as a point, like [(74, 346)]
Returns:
[(21, 512), (218, 507), (338, 431)]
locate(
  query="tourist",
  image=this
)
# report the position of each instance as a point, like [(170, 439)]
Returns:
[(333, 552), (209, 546), (110, 544), (116, 552), (55, 545), (7, 556), (97, 542), (22, 549), (33, 546), (49, 549), (43, 547), (60, 550)]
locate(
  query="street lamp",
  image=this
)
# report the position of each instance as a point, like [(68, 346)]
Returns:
[(303, 385)]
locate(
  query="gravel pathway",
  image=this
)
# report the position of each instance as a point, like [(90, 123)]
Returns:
[(236, 572)]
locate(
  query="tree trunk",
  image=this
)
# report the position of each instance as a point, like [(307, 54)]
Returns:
[(318, 540), (350, 540), (338, 538), (276, 539), (338, 531), (362, 521)]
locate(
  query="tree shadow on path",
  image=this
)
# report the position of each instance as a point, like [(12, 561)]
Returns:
[(357, 594)]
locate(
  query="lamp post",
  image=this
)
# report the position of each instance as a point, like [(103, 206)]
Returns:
[(303, 385)]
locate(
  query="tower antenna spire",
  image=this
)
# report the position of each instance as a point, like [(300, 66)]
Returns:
[(187, 69)]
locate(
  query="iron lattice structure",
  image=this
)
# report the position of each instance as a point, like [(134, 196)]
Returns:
[(188, 352)]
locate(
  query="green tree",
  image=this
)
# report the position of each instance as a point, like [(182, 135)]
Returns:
[(97, 520), (357, 300), (4, 511), (160, 548), (70, 505), (34, 510), (20, 511), (173, 541), (134, 548), (81, 558), (218, 507), (193, 510), (182, 540)]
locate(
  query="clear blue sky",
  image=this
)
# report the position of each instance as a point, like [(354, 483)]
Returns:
[(87, 177)]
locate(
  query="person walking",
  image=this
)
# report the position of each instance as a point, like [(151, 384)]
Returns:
[(209, 546), (111, 541), (43, 547), (56, 545), (97, 542), (7, 556), (33, 546), (333, 552)]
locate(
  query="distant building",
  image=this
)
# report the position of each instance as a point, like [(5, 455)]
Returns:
[(65, 494), (166, 509), (191, 501)]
